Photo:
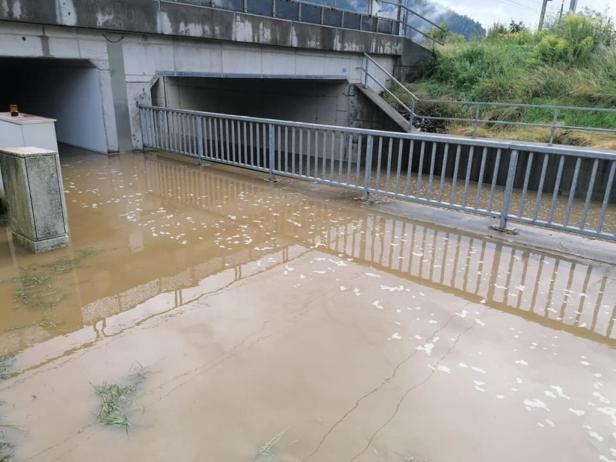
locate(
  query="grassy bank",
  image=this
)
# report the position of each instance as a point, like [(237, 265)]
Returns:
[(570, 63)]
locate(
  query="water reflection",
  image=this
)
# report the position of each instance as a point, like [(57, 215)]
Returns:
[(166, 233), (574, 295)]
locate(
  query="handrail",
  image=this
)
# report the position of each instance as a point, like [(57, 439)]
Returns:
[(388, 74), (477, 105), (486, 142), (381, 162), (414, 13), (403, 25)]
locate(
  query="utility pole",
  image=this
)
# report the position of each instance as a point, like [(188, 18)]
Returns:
[(562, 11), (544, 8), (573, 7)]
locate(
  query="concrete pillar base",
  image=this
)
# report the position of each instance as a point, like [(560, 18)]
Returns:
[(35, 198), (46, 245)]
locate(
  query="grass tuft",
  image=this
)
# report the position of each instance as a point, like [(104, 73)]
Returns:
[(116, 400), (6, 367), (7, 450), (270, 448), (37, 284)]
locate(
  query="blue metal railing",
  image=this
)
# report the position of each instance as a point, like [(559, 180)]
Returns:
[(563, 188), (394, 19)]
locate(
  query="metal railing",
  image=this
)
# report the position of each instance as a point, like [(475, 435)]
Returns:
[(561, 188), (336, 13), (410, 107)]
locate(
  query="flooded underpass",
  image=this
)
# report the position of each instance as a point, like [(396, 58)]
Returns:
[(251, 321)]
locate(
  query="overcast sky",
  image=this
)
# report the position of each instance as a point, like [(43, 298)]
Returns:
[(489, 11)]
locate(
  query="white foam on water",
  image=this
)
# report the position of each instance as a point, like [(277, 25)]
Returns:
[(595, 436), (427, 348), (535, 404)]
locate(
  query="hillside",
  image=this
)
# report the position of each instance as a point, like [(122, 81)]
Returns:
[(571, 63), (456, 23)]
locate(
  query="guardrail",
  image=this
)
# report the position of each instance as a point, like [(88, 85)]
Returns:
[(410, 106), (561, 188), (358, 15)]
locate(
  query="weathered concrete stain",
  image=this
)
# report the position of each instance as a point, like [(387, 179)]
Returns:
[(145, 16)]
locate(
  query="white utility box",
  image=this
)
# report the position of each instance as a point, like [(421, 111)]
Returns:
[(26, 130)]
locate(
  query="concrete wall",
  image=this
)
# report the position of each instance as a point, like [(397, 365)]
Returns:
[(329, 102), (65, 90), (129, 43), (170, 18), (72, 97)]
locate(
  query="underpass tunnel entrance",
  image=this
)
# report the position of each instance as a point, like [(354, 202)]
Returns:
[(321, 101), (66, 90)]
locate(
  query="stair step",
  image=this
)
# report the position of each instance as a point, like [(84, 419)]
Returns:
[(384, 106)]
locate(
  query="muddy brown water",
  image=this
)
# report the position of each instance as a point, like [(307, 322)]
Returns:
[(276, 323)]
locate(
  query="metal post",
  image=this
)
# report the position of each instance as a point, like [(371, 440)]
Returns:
[(513, 166), (142, 125), (368, 173), (544, 8), (245, 6), (365, 69), (554, 123), (273, 8), (272, 150), (413, 107), (399, 16), (476, 121), (200, 139)]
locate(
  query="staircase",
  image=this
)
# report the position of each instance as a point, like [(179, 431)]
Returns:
[(387, 108)]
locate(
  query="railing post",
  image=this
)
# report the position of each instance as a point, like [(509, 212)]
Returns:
[(413, 107), (399, 16), (476, 121), (368, 172), (271, 149), (365, 69), (513, 167), (200, 138), (142, 125), (554, 122), (245, 6)]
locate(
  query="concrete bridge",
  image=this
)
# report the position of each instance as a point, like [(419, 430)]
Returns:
[(87, 63)]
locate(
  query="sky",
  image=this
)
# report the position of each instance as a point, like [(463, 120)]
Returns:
[(487, 12)]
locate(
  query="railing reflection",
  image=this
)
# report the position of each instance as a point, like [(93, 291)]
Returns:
[(553, 290)]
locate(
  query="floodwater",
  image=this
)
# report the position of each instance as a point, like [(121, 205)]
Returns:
[(273, 323)]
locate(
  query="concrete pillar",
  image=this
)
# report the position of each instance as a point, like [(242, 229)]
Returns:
[(35, 198)]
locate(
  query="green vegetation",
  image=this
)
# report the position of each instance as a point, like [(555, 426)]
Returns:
[(270, 448), (570, 63), (36, 287), (6, 449), (6, 367), (116, 400)]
